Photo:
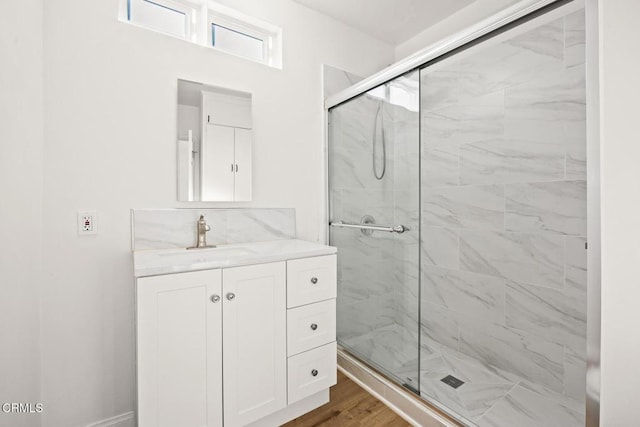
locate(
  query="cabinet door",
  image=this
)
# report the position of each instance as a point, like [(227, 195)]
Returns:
[(243, 165), (218, 164), (254, 342), (179, 353), (226, 109)]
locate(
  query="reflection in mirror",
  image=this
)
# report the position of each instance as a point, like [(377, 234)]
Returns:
[(214, 143)]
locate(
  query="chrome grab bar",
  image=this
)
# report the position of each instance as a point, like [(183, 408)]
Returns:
[(389, 228)]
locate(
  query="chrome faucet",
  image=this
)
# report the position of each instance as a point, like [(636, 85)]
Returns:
[(202, 229)]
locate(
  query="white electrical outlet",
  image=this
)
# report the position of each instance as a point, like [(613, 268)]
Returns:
[(87, 223)]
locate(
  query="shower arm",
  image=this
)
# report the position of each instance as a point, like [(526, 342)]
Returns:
[(388, 228)]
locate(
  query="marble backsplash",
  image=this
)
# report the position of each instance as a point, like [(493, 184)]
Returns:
[(176, 228)]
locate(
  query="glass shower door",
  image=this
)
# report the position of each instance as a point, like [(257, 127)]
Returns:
[(503, 223), (374, 181)]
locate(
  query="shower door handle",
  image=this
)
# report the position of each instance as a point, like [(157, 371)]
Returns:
[(388, 228)]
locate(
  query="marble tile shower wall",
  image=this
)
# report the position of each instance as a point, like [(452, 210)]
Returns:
[(336, 80), (407, 247), (365, 267), (503, 183), (371, 268)]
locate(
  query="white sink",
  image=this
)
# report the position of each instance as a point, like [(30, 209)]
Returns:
[(206, 255), (166, 261)]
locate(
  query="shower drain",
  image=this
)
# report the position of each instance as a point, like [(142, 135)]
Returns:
[(452, 381)]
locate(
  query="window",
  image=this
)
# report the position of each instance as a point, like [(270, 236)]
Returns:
[(242, 35), (234, 41), (161, 15), (210, 24)]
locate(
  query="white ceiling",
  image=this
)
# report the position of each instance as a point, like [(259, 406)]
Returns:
[(392, 21)]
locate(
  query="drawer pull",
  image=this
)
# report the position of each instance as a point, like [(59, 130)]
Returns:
[(215, 298), (314, 372), (314, 280), (231, 296), (314, 326)]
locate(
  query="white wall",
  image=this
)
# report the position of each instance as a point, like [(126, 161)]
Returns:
[(464, 18), (21, 201), (110, 113), (620, 175)]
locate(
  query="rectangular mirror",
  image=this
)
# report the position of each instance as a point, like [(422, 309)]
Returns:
[(214, 143)]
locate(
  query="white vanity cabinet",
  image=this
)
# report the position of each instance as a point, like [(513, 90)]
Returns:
[(210, 337), (237, 346)]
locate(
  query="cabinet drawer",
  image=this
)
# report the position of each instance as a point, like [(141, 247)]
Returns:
[(311, 280), (311, 372), (311, 326)]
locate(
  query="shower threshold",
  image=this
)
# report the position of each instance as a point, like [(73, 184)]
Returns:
[(402, 399)]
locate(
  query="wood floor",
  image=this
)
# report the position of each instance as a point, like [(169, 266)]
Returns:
[(350, 406)]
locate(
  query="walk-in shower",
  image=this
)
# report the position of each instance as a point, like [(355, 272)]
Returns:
[(469, 288)]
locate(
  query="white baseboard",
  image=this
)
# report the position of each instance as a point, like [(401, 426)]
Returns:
[(123, 420)]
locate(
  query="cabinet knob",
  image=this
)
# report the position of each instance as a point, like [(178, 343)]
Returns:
[(314, 326), (215, 298), (314, 372), (314, 280), (231, 296)]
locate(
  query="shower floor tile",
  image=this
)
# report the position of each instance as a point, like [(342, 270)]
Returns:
[(390, 350), (489, 397), (525, 408)]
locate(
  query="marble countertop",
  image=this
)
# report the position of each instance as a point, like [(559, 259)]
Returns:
[(167, 261)]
